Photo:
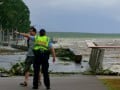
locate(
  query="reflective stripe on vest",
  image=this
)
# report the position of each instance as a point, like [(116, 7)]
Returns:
[(41, 42)]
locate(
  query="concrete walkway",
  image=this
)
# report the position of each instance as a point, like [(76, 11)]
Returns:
[(76, 82)]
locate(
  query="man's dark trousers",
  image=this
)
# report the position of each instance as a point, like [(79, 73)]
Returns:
[(41, 58)]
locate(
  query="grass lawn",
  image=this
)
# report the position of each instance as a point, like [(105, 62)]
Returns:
[(112, 84)]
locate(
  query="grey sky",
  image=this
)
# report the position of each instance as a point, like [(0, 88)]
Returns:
[(98, 16)]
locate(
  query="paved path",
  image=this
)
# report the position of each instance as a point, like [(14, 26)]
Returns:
[(76, 82)]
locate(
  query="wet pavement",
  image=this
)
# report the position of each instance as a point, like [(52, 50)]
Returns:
[(74, 82)]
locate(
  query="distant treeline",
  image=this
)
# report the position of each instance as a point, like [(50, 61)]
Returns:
[(81, 35), (14, 14)]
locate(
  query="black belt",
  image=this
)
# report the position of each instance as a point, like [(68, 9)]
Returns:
[(39, 51), (43, 51)]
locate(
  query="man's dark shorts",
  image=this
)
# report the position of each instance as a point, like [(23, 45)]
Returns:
[(28, 62)]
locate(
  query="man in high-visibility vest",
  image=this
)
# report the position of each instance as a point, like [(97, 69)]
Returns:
[(42, 48)]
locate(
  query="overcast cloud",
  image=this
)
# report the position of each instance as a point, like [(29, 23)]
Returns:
[(76, 15)]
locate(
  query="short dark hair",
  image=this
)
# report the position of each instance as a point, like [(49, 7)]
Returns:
[(42, 32), (33, 29)]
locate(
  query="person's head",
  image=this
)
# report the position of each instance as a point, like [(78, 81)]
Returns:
[(42, 32), (32, 31)]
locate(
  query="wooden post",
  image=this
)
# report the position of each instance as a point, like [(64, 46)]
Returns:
[(0, 35), (3, 38), (8, 37), (12, 33), (99, 64), (97, 55), (93, 58), (96, 59)]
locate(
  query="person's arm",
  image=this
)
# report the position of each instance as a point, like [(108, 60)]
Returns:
[(23, 34), (52, 51), (53, 54)]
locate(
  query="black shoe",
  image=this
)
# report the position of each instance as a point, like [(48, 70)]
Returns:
[(24, 84), (48, 88), (35, 87)]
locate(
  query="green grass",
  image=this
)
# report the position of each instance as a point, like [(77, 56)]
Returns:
[(112, 84)]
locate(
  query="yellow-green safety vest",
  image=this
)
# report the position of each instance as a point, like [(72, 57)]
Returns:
[(41, 42)]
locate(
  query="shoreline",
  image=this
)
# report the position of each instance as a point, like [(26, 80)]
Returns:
[(111, 58)]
